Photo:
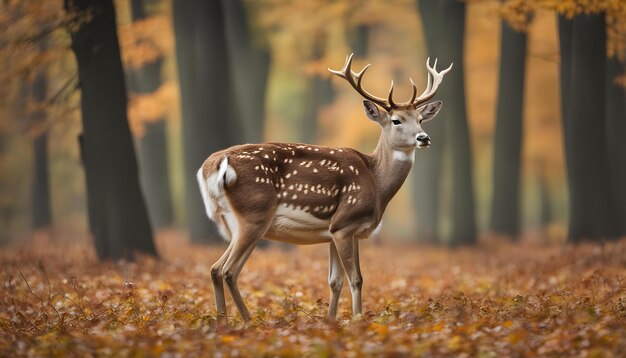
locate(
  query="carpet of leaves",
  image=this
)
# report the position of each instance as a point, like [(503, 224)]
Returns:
[(491, 300)]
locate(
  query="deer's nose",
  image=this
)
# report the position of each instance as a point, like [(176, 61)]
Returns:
[(423, 137)]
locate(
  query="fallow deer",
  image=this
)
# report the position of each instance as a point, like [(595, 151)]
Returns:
[(309, 194)]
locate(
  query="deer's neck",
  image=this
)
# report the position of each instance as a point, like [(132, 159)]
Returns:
[(390, 168)]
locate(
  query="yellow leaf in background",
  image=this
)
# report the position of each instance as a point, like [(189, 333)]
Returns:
[(455, 343), (187, 316), (158, 350), (439, 326), (228, 339), (516, 337), (379, 328)]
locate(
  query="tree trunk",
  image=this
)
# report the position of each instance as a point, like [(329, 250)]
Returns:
[(463, 216), (616, 130), (545, 206), (320, 94), (566, 28), (592, 213), (505, 206), (184, 35), (117, 213), (152, 147), (42, 216), (250, 58), (42, 213), (154, 174), (358, 38), (428, 164), (444, 26), (209, 118)]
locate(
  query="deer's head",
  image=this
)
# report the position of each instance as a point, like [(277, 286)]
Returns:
[(401, 122)]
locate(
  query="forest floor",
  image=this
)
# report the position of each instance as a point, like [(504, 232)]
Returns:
[(492, 300)]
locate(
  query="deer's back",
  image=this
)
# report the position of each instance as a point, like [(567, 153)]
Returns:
[(333, 185)]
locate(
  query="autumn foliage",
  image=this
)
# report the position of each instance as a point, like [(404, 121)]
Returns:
[(519, 13), (497, 300)]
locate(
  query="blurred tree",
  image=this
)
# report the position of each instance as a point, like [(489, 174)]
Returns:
[(444, 28), (117, 213), (592, 118), (320, 91), (505, 206), (463, 210), (12, 167), (565, 43), (250, 56), (592, 208), (616, 129), (427, 184), (358, 39), (152, 145), (545, 206), (25, 110), (42, 214), (209, 115)]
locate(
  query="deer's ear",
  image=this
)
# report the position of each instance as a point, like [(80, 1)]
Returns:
[(430, 110), (372, 111)]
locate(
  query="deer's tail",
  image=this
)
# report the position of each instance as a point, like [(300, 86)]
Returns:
[(212, 178)]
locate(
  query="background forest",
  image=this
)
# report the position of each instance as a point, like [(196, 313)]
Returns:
[(108, 108), (251, 72)]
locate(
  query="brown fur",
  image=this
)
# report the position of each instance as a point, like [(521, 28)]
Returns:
[(322, 181)]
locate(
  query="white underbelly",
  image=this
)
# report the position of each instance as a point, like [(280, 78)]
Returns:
[(294, 225)]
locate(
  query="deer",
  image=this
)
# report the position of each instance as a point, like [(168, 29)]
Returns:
[(309, 194)]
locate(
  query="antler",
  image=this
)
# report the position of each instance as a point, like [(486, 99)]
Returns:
[(437, 78), (354, 79)]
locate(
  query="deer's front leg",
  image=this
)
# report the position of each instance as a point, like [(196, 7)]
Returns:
[(218, 286), (335, 280), (348, 250)]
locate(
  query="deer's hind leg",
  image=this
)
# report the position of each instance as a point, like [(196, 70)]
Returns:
[(216, 271), (218, 286), (242, 246)]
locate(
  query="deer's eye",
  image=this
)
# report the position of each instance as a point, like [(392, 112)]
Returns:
[(395, 122)]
